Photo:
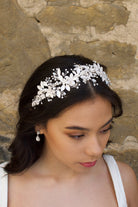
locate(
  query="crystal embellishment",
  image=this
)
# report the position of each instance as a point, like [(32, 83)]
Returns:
[(60, 82)]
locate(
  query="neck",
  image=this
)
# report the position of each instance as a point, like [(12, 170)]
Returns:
[(48, 166), (52, 167)]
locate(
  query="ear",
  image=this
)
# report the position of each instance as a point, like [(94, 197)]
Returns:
[(40, 128)]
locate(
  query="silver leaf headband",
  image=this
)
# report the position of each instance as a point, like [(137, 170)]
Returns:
[(60, 82)]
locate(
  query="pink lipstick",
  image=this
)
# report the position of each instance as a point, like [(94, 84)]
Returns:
[(88, 164)]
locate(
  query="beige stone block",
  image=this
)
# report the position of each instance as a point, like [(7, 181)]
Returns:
[(8, 111), (32, 7), (88, 3), (104, 17), (115, 55), (63, 2), (22, 47)]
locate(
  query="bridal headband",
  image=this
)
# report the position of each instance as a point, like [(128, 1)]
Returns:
[(60, 82)]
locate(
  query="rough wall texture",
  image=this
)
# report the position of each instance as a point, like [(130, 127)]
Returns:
[(31, 31)]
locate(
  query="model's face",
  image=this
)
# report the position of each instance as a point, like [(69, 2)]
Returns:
[(77, 138)]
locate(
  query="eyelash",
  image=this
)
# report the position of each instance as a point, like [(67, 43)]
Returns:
[(77, 137), (106, 130)]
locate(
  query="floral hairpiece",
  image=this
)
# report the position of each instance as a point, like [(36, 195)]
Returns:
[(60, 82)]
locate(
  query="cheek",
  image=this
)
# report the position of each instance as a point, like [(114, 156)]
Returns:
[(104, 139), (61, 148), (57, 142), (107, 138)]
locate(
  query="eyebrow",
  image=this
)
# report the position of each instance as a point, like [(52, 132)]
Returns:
[(110, 120), (86, 129)]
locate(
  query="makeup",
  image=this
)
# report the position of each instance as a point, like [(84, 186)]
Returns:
[(88, 164)]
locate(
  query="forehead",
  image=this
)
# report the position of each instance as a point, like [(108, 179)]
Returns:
[(97, 110)]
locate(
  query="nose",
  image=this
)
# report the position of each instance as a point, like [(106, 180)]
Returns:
[(94, 147)]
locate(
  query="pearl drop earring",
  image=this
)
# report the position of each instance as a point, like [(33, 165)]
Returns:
[(38, 137)]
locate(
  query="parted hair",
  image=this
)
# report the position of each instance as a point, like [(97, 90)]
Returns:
[(25, 151)]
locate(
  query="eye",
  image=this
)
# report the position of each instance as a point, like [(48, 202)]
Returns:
[(106, 130), (77, 136)]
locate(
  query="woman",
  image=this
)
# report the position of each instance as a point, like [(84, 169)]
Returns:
[(66, 112)]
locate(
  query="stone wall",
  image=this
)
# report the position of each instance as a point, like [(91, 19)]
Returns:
[(31, 31)]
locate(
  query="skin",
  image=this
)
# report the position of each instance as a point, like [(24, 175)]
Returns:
[(58, 178), (66, 147)]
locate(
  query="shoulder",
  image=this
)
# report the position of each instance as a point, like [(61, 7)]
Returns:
[(130, 183)]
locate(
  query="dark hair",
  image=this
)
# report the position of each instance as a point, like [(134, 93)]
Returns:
[(24, 148)]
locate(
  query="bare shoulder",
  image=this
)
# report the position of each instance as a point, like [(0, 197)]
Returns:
[(130, 184)]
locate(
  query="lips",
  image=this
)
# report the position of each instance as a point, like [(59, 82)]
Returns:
[(88, 164)]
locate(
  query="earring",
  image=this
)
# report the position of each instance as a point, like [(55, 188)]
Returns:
[(37, 137)]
